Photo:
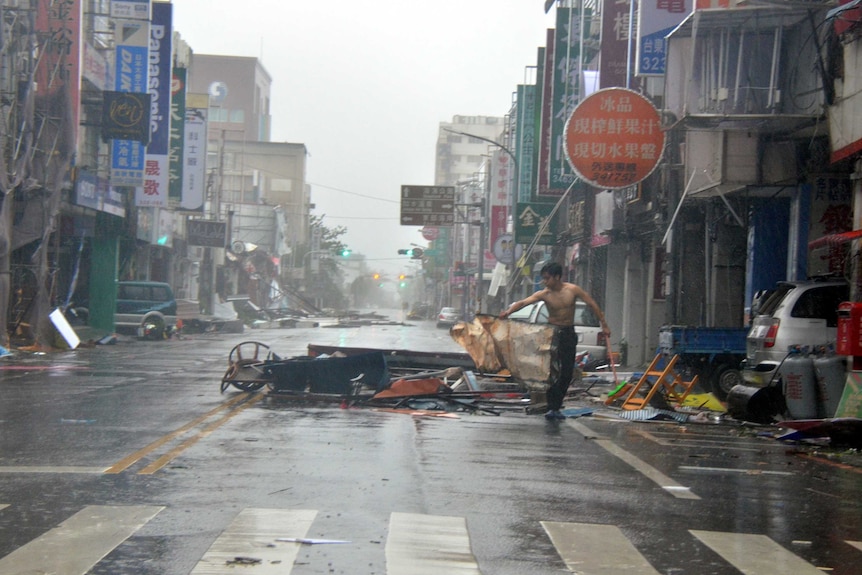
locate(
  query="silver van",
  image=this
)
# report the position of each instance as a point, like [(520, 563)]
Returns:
[(801, 313), (147, 308)]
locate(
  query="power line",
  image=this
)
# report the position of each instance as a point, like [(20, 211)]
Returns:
[(398, 201), (358, 218)]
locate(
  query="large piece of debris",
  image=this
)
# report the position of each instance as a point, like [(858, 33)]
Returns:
[(494, 344)]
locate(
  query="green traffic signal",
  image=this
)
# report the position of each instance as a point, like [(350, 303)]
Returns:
[(345, 252)]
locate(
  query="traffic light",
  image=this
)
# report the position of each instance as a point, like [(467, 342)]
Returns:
[(402, 276), (415, 253), (376, 276), (345, 252)]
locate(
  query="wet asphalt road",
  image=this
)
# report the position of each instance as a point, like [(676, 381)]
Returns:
[(143, 426)]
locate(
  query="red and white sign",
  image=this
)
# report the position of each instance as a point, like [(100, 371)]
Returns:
[(430, 234), (614, 138)]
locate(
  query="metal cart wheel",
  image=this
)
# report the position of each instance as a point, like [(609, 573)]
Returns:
[(245, 363)]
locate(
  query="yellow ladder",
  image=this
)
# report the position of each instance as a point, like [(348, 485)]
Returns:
[(675, 388)]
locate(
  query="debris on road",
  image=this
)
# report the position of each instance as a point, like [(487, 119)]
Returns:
[(841, 431), (396, 379), (306, 541), (244, 561)]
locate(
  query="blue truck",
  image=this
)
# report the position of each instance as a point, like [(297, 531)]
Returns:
[(712, 353)]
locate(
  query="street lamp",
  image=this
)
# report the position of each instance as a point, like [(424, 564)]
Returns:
[(311, 253)]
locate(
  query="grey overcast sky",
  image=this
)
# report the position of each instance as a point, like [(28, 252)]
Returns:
[(364, 84)]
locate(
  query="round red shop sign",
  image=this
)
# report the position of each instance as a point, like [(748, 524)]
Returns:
[(614, 139)]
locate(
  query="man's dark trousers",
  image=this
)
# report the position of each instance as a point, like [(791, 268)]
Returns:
[(563, 347)]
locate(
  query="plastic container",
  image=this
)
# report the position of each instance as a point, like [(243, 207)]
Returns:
[(800, 386), (755, 404), (831, 372)]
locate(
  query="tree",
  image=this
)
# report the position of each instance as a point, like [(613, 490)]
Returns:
[(329, 278)]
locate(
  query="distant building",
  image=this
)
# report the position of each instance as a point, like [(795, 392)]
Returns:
[(239, 90), (461, 158), (258, 185)]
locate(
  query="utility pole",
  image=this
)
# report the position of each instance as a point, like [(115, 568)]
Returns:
[(513, 192)]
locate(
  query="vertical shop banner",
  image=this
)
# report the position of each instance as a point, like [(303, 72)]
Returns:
[(543, 190), (155, 189), (95, 68), (567, 90), (178, 122), (656, 19), (195, 152), (618, 20), (502, 175), (132, 38), (165, 228), (58, 70), (525, 128), (831, 212), (537, 125)]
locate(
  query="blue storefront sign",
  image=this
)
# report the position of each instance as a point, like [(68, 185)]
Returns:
[(131, 75)]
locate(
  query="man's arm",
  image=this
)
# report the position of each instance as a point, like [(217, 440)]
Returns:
[(595, 307), (522, 303)]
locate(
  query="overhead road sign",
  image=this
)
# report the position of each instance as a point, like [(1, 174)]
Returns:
[(427, 205)]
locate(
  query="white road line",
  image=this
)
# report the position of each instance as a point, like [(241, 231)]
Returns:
[(704, 443), (429, 545), (51, 469), (580, 546), (856, 544), (696, 469), (252, 534), (755, 554), (584, 430), (78, 543), (650, 472)]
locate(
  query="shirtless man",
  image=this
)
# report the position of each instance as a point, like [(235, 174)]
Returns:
[(560, 298)]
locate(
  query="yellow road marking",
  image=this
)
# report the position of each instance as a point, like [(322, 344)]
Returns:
[(167, 457), (127, 462)]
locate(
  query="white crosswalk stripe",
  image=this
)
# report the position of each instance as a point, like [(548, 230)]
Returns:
[(755, 554), (77, 544), (253, 534), (428, 545), (579, 546), (416, 544)]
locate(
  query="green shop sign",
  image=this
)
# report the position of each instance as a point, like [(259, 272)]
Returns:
[(530, 218)]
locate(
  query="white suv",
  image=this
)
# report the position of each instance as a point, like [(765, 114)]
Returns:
[(803, 313)]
